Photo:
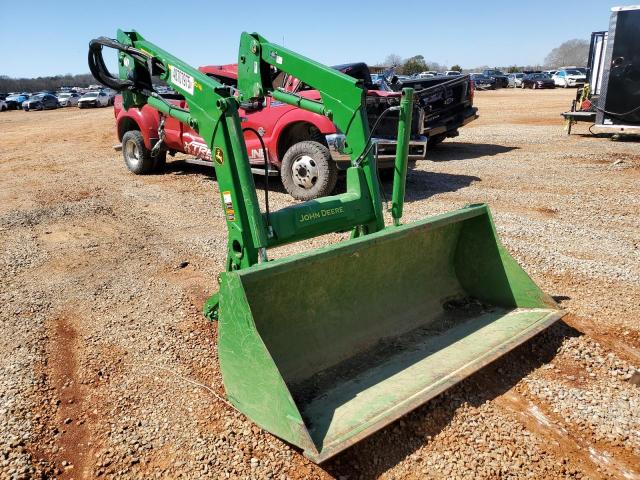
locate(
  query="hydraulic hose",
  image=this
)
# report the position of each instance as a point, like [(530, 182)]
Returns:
[(101, 73), (368, 145), (266, 170), (98, 68)]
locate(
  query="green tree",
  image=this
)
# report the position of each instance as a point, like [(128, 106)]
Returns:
[(513, 69), (414, 65), (456, 68)]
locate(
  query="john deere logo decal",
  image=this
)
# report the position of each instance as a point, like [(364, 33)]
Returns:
[(219, 156)]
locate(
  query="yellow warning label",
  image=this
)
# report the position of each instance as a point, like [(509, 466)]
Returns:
[(218, 155)]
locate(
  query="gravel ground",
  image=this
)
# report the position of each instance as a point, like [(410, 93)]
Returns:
[(108, 370)]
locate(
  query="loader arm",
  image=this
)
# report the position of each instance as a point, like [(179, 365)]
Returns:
[(343, 99), (213, 113)]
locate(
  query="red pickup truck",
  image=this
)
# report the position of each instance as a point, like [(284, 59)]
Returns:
[(303, 148)]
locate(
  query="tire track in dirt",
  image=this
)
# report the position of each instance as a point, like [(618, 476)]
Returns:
[(65, 431), (557, 436)]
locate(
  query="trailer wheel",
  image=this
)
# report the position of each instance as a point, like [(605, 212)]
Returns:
[(136, 156), (308, 171)]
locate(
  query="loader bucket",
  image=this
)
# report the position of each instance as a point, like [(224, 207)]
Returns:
[(326, 347)]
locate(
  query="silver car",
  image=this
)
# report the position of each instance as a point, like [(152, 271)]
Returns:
[(515, 79), (68, 99)]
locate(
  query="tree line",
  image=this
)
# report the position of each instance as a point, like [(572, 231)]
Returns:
[(571, 52), (8, 84)]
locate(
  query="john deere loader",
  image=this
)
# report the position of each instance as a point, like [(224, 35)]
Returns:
[(325, 347)]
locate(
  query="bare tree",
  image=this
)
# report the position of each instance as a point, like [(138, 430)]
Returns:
[(392, 60), (436, 67), (571, 52)]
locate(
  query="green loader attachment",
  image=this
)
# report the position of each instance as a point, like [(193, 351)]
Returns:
[(326, 347)]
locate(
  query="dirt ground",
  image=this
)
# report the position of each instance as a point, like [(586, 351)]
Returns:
[(108, 369)]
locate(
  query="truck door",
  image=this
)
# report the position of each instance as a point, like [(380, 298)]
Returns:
[(259, 117)]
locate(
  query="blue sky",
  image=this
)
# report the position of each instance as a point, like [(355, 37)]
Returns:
[(50, 37)]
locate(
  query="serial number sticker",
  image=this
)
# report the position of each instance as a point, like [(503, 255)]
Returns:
[(181, 79)]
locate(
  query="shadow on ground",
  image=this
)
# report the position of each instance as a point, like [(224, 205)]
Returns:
[(423, 184), (420, 184), (383, 450), (450, 151)]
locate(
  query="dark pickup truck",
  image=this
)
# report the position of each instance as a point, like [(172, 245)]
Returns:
[(443, 104)]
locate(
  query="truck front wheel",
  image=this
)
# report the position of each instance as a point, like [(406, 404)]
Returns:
[(136, 155), (308, 171)]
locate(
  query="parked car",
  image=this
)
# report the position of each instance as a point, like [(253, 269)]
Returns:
[(500, 78), (452, 73), (537, 80), (68, 99), (96, 98), (14, 101), (482, 82), (3, 106), (551, 73), (569, 78), (111, 94), (515, 79), (40, 101)]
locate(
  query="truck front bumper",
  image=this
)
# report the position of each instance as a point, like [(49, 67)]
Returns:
[(384, 149)]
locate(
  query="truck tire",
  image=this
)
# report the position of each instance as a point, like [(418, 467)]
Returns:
[(308, 171), (137, 157), (435, 140)]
